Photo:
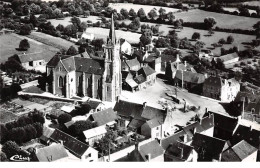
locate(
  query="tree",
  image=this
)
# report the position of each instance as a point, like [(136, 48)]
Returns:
[(98, 43), (219, 64), (3, 157), (132, 13), (37, 116), (141, 14), (170, 17), (84, 109), (14, 89), (209, 22), (243, 11), (72, 51), (162, 13), (195, 36), (18, 135), (3, 133), (24, 45), (145, 40), (162, 43), (30, 132), (10, 148), (222, 41), (238, 75), (60, 28), (152, 14), (25, 29), (135, 24), (63, 118), (39, 128), (79, 126), (230, 39), (70, 30), (124, 13)]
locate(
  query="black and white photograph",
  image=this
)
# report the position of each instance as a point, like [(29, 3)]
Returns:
[(129, 81)]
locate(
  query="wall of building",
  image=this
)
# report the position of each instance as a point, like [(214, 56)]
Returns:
[(158, 159), (71, 84), (91, 155), (60, 71), (146, 130), (251, 158)]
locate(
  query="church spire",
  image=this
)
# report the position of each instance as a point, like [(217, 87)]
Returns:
[(112, 33)]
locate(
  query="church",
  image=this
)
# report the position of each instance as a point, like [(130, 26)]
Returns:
[(82, 75)]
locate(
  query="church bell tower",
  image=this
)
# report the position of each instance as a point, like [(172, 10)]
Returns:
[(112, 77)]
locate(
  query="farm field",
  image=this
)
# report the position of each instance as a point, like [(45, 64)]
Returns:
[(56, 42), (9, 43), (223, 20), (66, 21), (136, 7), (252, 3)]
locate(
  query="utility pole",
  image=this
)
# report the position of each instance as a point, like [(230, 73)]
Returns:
[(182, 79)]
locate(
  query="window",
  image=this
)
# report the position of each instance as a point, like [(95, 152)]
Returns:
[(252, 110), (40, 63), (31, 63), (59, 68), (157, 128), (60, 82)]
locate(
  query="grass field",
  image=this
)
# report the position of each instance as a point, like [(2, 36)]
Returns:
[(56, 42), (223, 20), (66, 21), (136, 7), (9, 43), (6, 116)]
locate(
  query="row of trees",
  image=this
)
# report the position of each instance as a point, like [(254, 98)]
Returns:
[(24, 129)]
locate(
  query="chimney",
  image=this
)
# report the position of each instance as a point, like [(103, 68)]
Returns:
[(181, 152), (61, 142), (250, 128), (117, 98), (137, 146), (185, 63), (144, 104), (148, 157)]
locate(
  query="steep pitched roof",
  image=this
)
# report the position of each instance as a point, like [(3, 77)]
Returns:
[(104, 117), (93, 104), (214, 81), (190, 77), (75, 146), (95, 131), (51, 153), (168, 140), (132, 62), (224, 122), (153, 148), (139, 79), (135, 124), (30, 57), (151, 112), (146, 71), (248, 95), (55, 60), (238, 152), (153, 123), (211, 146), (89, 65), (179, 150), (246, 133)]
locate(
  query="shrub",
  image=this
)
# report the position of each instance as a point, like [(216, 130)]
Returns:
[(63, 118)]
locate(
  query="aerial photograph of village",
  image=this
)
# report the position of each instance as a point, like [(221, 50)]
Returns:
[(130, 81)]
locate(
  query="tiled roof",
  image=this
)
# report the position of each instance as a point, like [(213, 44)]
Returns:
[(93, 104), (211, 146), (179, 150), (191, 129), (238, 152), (51, 153), (247, 134), (214, 81), (168, 140), (131, 83), (153, 148), (139, 79), (248, 95), (55, 60), (104, 117), (146, 71), (190, 77), (75, 146), (136, 123), (151, 112), (153, 123), (224, 122), (132, 62), (30, 57)]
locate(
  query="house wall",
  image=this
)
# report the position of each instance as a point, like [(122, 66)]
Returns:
[(71, 84), (156, 132), (92, 140), (208, 132), (212, 91), (158, 159), (126, 48), (60, 71), (234, 60), (251, 158), (91, 155), (35, 63)]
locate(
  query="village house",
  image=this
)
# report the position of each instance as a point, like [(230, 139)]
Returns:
[(80, 150), (172, 67), (180, 152), (80, 76), (104, 117), (149, 152), (189, 80), (85, 36), (51, 153), (208, 148), (31, 60), (130, 65), (152, 128), (241, 152), (248, 104), (126, 47), (94, 134), (149, 74), (221, 89), (229, 58), (128, 82)]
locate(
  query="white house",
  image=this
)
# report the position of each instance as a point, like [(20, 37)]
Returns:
[(94, 134), (126, 47), (229, 58)]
